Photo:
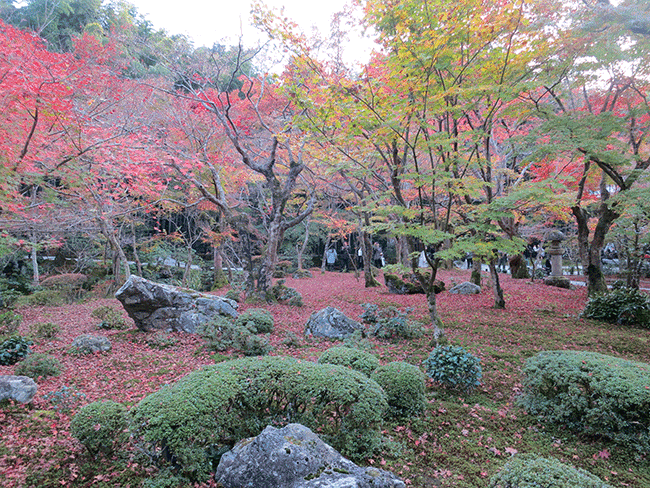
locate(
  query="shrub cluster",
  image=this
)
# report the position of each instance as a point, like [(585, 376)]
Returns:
[(528, 470), (222, 334), (44, 330), (41, 298), (625, 306), (14, 349), (9, 323), (258, 320), (284, 294), (590, 393), (350, 357), (101, 427), (161, 340), (390, 322), (223, 403), (38, 364), (453, 367), (110, 318), (405, 386)]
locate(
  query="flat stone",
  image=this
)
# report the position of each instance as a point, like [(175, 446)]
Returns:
[(466, 288)]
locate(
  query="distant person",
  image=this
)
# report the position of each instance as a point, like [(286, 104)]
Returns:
[(377, 255), (330, 257), (345, 257), (360, 258)]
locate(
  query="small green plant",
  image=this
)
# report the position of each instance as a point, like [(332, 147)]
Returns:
[(161, 340), (233, 294), (44, 330), (453, 367), (65, 398), (529, 470), (222, 334), (291, 339), (110, 318), (258, 320), (41, 298), (14, 349), (624, 306), (9, 323), (38, 365), (405, 386), (350, 357), (390, 322), (284, 294), (101, 427)]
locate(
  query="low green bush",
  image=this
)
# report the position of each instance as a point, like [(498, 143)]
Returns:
[(183, 423), (531, 471), (65, 398), (258, 320), (625, 306), (233, 295), (44, 330), (453, 367), (590, 393), (9, 323), (405, 386), (161, 340), (14, 349), (110, 318), (284, 294), (222, 334), (38, 364), (101, 427), (391, 322), (42, 298), (350, 357)]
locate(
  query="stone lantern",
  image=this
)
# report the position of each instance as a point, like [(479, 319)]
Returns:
[(555, 251)]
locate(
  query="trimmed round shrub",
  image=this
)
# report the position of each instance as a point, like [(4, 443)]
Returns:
[(350, 357), (223, 403), (101, 427), (590, 393), (624, 306), (258, 320), (531, 471), (454, 367), (9, 323), (222, 334), (14, 349), (38, 364), (404, 385), (44, 330)]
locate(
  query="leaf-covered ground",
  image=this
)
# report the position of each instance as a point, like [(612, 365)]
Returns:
[(461, 441)]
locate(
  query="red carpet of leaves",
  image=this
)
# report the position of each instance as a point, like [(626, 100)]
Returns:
[(536, 316)]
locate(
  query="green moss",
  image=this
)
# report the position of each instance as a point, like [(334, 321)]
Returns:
[(404, 385), (38, 365)]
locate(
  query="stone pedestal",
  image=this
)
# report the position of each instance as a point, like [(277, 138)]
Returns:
[(555, 250)]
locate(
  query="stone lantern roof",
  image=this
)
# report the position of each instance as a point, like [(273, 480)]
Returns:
[(555, 235)]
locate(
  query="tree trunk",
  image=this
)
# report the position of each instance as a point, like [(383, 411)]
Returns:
[(219, 277), (497, 291), (136, 257), (270, 258), (438, 331), (476, 272), (370, 280), (36, 277), (119, 258), (300, 250)]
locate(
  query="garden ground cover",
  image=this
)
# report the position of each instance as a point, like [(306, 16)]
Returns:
[(462, 440)]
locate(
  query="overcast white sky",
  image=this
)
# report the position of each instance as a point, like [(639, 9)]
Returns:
[(209, 21)]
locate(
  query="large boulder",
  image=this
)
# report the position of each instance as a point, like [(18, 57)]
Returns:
[(466, 288), (331, 323), (558, 281), (157, 306), (295, 457), (19, 388)]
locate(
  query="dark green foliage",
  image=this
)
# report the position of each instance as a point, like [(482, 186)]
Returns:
[(14, 349), (101, 427), (531, 471), (65, 398), (222, 334), (38, 364), (258, 320), (233, 295), (283, 294), (350, 357), (9, 323), (453, 367), (404, 385), (232, 400), (42, 298), (165, 478), (110, 318), (590, 393), (390, 322), (625, 306), (161, 340), (44, 330)]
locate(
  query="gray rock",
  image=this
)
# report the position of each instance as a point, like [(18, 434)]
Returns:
[(157, 306), (19, 388), (295, 457), (466, 288), (90, 344), (331, 323)]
